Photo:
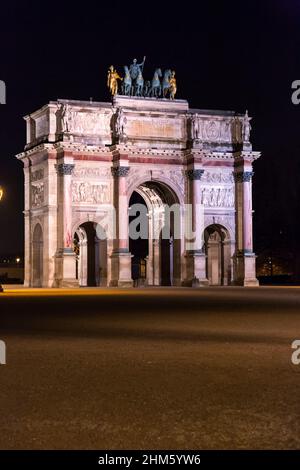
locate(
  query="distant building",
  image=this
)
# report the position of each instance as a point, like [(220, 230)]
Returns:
[(11, 269)]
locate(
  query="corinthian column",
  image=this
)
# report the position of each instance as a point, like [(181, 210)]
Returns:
[(66, 258), (121, 257), (65, 170), (195, 256), (245, 258)]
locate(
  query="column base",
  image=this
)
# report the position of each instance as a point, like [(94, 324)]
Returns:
[(247, 283), (121, 283), (195, 282), (66, 284), (246, 270), (121, 269), (196, 270), (65, 275)]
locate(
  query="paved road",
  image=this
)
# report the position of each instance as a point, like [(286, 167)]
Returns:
[(151, 368)]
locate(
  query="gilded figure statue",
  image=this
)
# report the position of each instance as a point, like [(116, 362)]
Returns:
[(112, 80), (173, 86)]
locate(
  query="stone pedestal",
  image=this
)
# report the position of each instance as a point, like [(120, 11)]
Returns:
[(121, 270), (246, 270), (66, 264), (195, 270)]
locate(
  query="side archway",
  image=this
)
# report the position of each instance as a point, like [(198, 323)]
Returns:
[(90, 243), (218, 255)]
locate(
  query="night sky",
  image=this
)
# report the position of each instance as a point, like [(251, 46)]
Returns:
[(227, 55)]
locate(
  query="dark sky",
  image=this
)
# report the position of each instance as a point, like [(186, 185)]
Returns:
[(227, 55)]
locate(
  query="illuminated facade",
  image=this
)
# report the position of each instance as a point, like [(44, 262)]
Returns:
[(83, 157)]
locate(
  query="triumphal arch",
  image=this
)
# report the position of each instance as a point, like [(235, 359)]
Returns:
[(84, 160)]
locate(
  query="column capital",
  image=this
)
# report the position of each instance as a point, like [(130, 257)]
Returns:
[(194, 174), (120, 171), (243, 176), (64, 169)]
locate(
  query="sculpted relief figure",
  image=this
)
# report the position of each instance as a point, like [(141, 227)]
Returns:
[(226, 134), (206, 197), (236, 130), (221, 197), (67, 118), (230, 198), (212, 130), (82, 192), (246, 127), (37, 194), (195, 128), (218, 197), (214, 197), (120, 122), (90, 193)]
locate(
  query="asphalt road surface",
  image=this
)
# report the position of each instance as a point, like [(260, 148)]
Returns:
[(150, 369)]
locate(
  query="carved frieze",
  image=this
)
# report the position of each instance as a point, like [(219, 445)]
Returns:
[(177, 176), (135, 175), (217, 177), (37, 194), (227, 129), (86, 192), (91, 173), (85, 122), (213, 130), (37, 175), (158, 127), (217, 197)]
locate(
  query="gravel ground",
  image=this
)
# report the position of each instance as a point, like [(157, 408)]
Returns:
[(150, 369)]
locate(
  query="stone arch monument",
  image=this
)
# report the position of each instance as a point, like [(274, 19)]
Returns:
[(78, 164)]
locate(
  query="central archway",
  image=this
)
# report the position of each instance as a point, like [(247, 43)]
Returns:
[(156, 256)]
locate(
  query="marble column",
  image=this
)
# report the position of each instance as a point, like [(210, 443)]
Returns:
[(149, 258), (245, 258), (195, 256), (121, 257), (66, 258), (27, 227)]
